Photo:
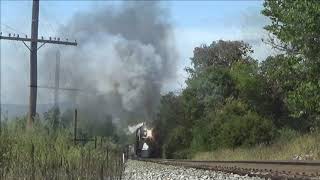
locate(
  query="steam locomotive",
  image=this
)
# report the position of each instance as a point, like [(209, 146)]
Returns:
[(145, 145), (144, 141)]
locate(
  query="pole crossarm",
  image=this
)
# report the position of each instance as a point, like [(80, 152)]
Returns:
[(16, 38)]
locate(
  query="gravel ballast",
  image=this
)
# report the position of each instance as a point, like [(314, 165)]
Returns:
[(136, 170)]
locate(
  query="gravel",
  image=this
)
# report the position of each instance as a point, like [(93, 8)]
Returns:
[(136, 170)]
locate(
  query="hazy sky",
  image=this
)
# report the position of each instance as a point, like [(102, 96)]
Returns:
[(194, 23)]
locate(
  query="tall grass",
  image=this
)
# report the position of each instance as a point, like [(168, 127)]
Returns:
[(290, 147), (44, 154)]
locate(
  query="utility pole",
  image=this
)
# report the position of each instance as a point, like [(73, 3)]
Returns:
[(56, 88), (33, 64), (75, 126), (57, 80), (0, 93), (33, 57)]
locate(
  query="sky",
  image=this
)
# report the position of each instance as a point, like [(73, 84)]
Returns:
[(194, 23)]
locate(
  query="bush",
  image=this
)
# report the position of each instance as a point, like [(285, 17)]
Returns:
[(200, 138), (232, 126), (177, 143)]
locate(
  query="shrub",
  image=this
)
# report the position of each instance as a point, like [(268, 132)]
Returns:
[(177, 143), (200, 138), (235, 125)]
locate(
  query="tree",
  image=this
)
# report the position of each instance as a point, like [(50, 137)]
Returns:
[(296, 25), (219, 54), (210, 81), (249, 86), (207, 91), (171, 115)]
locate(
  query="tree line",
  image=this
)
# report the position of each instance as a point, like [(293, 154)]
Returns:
[(233, 100)]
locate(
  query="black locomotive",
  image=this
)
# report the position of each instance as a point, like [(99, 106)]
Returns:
[(143, 144)]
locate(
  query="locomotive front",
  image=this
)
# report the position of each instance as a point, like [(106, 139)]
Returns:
[(143, 141)]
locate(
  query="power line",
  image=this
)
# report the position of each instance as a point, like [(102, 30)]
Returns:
[(13, 29)]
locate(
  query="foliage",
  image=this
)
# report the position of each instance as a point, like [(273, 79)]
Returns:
[(296, 24), (303, 102), (171, 114), (206, 90), (219, 54), (220, 105), (232, 100), (250, 86), (177, 143), (236, 125), (281, 75)]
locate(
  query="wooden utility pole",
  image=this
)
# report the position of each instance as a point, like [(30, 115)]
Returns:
[(0, 95), (56, 90), (33, 63), (57, 80), (33, 57), (75, 126)]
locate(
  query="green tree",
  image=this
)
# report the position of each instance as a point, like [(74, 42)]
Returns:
[(171, 115), (207, 91), (282, 75), (219, 54), (210, 81), (250, 86), (296, 26), (177, 143)]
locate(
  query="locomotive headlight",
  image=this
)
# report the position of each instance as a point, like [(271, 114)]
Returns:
[(149, 133)]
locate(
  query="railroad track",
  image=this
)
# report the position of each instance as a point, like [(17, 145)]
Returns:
[(265, 169)]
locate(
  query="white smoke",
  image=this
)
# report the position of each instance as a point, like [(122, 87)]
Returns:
[(124, 55)]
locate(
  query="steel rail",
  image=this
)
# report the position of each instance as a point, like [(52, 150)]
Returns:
[(266, 169), (280, 162)]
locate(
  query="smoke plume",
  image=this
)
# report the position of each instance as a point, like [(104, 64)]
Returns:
[(123, 57)]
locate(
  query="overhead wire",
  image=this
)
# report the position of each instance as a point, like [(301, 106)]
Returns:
[(10, 27), (12, 31), (47, 24)]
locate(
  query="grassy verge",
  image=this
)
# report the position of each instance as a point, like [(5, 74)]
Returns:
[(301, 147), (41, 154)]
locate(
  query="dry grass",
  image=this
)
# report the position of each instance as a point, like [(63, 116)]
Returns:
[(305, 147)]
